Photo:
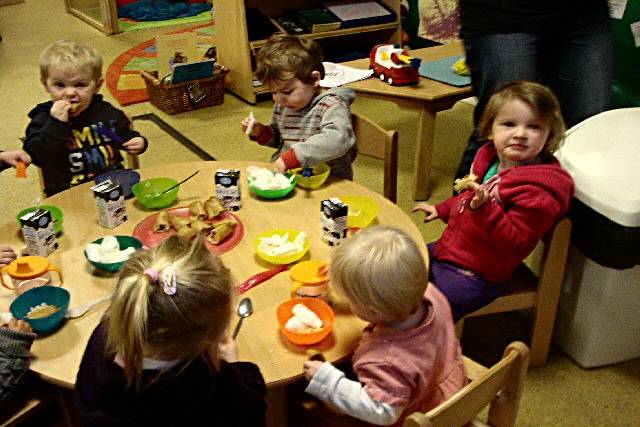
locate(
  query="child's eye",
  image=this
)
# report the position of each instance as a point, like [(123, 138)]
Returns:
[(59, 85), (508, 124), (534, 126)]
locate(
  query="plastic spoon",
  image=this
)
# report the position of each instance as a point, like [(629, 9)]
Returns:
[(245, 308), (174, 186), (80, 310)]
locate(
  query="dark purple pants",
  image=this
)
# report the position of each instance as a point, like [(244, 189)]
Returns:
[(466, 291)]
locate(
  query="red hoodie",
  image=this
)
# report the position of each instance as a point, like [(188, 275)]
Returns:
[(525, 202)]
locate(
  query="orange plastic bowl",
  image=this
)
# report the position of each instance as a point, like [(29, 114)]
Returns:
[(321, 308)]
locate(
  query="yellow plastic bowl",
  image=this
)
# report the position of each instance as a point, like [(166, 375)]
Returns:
[(320, 174), (280, 259), (362, 210)]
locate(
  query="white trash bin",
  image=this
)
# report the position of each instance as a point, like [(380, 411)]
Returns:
[(598, 320)]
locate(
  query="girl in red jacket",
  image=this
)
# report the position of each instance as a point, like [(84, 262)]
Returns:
[(515, 193)]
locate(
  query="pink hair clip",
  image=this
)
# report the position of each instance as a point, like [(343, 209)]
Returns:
[(169, 280), (152, 273)]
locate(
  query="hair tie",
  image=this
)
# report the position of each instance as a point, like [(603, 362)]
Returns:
[(169, 280), (152, 273)]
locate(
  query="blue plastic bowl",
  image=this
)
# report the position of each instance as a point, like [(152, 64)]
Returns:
[(125, 177), (52, 295)]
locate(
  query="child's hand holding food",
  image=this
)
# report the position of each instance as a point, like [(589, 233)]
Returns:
[(480, 197), (61, 109), (279, 165), (134, 145), (250, 126), (311, 368)]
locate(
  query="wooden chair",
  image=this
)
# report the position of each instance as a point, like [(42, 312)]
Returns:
[(34, 398), (377, 142), (540, 294), (500, 387)]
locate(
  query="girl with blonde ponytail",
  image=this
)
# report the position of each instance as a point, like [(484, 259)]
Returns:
[(162, 354)]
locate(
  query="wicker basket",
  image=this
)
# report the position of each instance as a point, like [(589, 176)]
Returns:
[(176, 98)]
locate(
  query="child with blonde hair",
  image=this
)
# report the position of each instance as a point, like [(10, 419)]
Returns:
[(409, 358), (307, 127), (77, 135), (162, 355), (515, 193)]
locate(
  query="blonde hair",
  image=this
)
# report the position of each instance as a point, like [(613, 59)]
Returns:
[(144, 321), (284, 57), (540, 99), (382, 268), (70, 54)]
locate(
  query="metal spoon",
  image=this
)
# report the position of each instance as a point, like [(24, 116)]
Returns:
[(245, 308)]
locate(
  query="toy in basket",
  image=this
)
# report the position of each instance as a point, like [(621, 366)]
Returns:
[(186, 96)]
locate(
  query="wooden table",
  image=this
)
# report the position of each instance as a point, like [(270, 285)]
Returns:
[(427, 97), (58, 356)]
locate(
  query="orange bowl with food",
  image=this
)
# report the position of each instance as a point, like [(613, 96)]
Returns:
[(310, 335)]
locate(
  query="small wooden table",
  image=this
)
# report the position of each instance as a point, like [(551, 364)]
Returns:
[(57, 357), (427, 97)]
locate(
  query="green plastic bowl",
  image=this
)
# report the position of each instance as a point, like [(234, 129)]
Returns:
[(124, 242), (320, 174), (273, 194), (52, 295), (147, 189), (56, 215)]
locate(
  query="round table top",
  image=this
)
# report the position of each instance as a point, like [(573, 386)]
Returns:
[(57, 356)]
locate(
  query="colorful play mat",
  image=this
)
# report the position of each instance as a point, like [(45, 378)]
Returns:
[(123, 75)]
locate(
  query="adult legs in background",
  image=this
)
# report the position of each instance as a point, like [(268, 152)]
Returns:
[(578, 67), (494, 61)]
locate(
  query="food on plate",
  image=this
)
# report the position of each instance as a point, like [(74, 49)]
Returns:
[(201, 226), (267, 179), (196, 209), (178, 221), (108, 251), (187, 231), (42, 310), (279, 244), (162, 223), (213, 207), (221, 230)]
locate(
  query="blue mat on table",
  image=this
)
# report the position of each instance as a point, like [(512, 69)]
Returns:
[(441, 71)]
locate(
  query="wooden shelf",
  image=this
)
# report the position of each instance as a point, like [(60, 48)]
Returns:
[(236, 51)]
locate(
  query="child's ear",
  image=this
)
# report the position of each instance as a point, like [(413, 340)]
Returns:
[(315, 78), (99, 83)]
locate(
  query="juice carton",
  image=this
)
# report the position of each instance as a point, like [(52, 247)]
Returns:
[(228, 188), (110, 203), (333, 218), (39, 233)]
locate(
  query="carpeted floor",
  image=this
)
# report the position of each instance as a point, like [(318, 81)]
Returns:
[(559, 394), (122, 76)]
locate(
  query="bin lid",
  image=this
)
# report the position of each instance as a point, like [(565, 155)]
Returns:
[(602, 154)]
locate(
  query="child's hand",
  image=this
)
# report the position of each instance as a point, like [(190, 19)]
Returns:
[(429, 210), (60, 110), (279, 165), (11, 158), (228, 349), (251, 126), (6, 255), (480, 197), (134, 145), (19, 326), (311, 368)]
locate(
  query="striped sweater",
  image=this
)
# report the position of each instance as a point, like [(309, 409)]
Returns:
[(320, 132)]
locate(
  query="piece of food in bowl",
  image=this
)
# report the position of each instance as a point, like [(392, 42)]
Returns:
[(306, 316), (108, 251), (267, 179), (42, 310), (279, 244)]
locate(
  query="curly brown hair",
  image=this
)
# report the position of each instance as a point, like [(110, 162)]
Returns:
[(284, 57)]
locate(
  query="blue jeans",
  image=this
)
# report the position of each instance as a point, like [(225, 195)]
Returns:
[(577, 64)]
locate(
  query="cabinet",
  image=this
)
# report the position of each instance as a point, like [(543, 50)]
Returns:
[(237, 50), (102, 14)]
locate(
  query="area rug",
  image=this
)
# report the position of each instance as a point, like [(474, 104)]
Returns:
[(131, 25), (123, 77)]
